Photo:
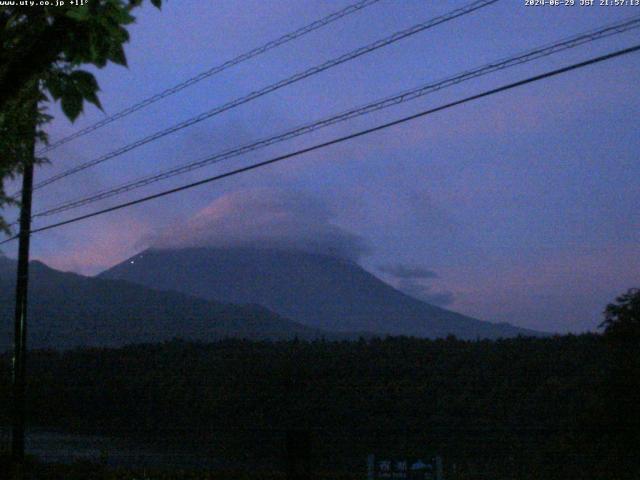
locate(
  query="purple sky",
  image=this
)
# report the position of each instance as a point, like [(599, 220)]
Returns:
[(522, 207)]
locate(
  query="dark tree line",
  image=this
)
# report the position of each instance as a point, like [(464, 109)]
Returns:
[(564, 405), (475, 401)]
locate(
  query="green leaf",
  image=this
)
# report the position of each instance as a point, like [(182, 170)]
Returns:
[(93, 98), (71, 104), (84, 81), (87, 86), (55, 85), (118, 56), (100, 49), (118, 15), (157, 3), (80, 14)]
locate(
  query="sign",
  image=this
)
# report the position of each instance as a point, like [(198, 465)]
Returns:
[(380, 468)]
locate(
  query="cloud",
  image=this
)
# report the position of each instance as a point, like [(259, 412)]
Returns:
[(561, 291), (407, 272), (418, 289), (264, 218), (97, 249), (411, 279)]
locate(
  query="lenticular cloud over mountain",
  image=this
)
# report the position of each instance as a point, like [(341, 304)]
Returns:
[(264, 218)]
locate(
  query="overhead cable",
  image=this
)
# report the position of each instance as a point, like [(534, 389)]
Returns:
[(338, 140), (356, 7), (406, 96), (467, 9)]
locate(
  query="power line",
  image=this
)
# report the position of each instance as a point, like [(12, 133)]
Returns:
[(476, 5), (335, 141), (520, 58), (356, 7)]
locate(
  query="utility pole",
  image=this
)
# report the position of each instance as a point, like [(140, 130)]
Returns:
[(20, 325), (298, 455)]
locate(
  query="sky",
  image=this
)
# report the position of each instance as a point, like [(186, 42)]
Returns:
[(520, 207)]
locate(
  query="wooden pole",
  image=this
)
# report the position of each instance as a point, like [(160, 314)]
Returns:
[(20, 325)]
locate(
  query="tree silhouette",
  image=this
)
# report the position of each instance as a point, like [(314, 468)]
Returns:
[(620, 412), (622, 319), (41, 50)]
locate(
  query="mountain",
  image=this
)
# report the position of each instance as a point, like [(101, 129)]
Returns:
[(68, 310), (316, 290)]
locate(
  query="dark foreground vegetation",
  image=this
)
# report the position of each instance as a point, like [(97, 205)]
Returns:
[(92, 471), (519, 408)]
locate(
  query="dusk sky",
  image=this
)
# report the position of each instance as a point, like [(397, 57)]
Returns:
[(521, 207)]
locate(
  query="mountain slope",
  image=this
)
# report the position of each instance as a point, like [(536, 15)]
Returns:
[(68, 310), (315, 290)]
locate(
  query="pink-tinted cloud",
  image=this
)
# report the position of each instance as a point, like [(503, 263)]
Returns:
[(573, 285), (265, 218), (98, 248)]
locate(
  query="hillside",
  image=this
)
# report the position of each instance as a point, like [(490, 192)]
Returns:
[(316, 290), (68, 310)]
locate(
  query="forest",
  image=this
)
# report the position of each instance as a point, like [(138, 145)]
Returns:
[(513, 408)]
